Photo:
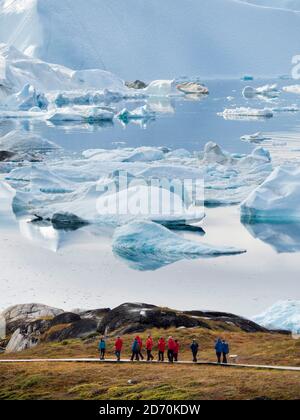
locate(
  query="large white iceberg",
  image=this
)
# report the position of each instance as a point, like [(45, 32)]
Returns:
[(150, 246), (284, 315), (18, 69), (94, 34), (242, 112), (277, 199)]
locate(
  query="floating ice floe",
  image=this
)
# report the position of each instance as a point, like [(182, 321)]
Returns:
[(277, 199), (293, 108), (283, 315), (192, 88), (239, 113), (142, 113), (269, 91), (292, 89), (140, 154), (150, 246), (81, 114), (161, 88), (255, 138)]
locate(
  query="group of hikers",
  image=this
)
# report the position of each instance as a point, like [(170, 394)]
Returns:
[(171, 346)]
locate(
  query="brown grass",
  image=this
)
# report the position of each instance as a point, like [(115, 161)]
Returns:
[(83, 381)]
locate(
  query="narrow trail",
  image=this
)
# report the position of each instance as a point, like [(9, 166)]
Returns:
[(127, 361)]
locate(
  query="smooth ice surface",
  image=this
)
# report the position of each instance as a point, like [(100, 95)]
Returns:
[(234, 38), (149, 246), (277, 199), (282, 315)]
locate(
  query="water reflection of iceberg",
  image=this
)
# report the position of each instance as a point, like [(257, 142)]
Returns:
[(283, 237), (45, 236)]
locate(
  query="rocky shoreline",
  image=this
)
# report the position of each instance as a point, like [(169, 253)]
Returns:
[(31, 324)]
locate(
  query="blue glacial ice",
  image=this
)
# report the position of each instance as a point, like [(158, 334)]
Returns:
[(149, 246), (282, 315), (277, 200)]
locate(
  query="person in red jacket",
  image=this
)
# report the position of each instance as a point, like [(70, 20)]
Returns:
[(149, 347), (176, 350), (141, 346), (171, 348), (118, 348), (161, 349)]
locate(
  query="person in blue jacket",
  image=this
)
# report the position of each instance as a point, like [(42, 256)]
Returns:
[(219, 349), (225, 351), (195, 349), (135, 350), (102, 348)]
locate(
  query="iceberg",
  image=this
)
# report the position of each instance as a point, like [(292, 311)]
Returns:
[(255, 138), (96, 206), (94, 34), (292, 108), (27, 99), (292, 89), (84, 114), (277, 199), (149, 246), (268, 91), (140, 154), (142, 113), (192, 88), (283, 315), (236, 113), (161, 88)]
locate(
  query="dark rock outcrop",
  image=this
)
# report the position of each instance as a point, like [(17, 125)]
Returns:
[(4, 155), (133, 317), (79, 329), (65, 318), (137, 84), (244, 324)]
